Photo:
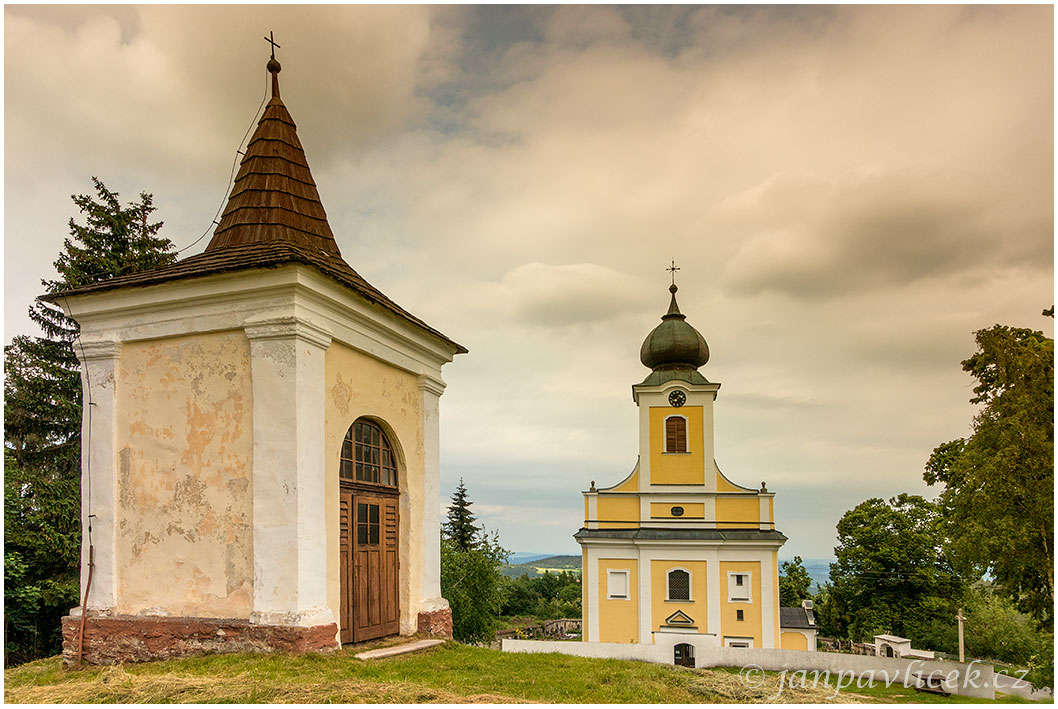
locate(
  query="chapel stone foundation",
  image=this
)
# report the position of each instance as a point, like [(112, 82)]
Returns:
[(436, 623), (117, 639)]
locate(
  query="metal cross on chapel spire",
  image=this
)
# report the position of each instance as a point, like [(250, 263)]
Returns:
[(673, 268), (273, 66), (271, 40)]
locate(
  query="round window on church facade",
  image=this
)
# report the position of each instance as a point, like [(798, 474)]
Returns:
[(367, 456), (677, 511)]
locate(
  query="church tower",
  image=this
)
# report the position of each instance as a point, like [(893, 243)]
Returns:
[(260, 465), (676, 554)]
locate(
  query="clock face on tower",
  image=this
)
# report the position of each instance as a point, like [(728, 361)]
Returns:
[(677, 398)]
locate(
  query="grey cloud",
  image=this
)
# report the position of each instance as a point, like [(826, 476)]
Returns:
[(574, 294), (882, 232), (773, 152)]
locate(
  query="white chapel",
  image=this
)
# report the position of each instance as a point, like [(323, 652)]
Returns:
[(261, 438)]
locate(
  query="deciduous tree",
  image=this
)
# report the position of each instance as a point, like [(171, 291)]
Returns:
[(794, 583), (998, 495), (472, 584), (891, 575)]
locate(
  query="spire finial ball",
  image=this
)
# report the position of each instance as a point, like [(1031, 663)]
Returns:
[(272, 65), (673, 288)]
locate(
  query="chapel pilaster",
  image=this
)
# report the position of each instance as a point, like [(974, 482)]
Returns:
[(431, 389), (289, 531), (99, 469)]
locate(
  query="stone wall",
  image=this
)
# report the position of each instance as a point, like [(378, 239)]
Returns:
[(437, 623)]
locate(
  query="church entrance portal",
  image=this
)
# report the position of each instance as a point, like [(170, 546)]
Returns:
[(369, 533), (683, 654)]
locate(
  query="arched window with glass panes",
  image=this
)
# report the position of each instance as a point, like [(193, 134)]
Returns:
[(367, 456), (679, 585)]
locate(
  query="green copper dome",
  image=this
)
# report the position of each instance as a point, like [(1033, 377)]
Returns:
[(674, 344)]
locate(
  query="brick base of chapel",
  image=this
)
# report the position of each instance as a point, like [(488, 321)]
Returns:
[(436, 623), (109, 640)]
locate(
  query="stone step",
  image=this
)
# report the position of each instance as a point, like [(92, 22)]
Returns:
[(398, 649)]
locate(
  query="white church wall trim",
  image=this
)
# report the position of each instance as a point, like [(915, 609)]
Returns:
[(231, 301)]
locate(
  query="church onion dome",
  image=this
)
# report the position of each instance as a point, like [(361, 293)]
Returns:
[(674, 344)]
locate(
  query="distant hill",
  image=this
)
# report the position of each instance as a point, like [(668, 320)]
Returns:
[(540, 565), (818, 569), (525, 557), (536, 564)]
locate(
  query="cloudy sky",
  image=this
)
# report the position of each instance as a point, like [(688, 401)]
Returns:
[(849, 192)]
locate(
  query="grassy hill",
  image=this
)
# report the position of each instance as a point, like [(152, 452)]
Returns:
[(451, 673), (537, 567)]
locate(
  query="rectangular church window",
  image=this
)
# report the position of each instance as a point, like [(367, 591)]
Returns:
[(738, 587), (675, 434), (617, 584)]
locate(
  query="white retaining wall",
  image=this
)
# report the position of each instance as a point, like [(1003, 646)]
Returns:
[(969, 680)]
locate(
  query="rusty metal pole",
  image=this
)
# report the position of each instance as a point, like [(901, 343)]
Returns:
[(84, 604)]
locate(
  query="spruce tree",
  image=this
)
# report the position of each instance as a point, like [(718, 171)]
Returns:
[(42, 422), (460, 527), (42, 386), (470, 572)]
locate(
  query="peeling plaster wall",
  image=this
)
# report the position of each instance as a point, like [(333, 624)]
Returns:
[(360, 385), (185, 451)]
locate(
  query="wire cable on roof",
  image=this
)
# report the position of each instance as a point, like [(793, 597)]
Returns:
[(87, 465), (231, 178)]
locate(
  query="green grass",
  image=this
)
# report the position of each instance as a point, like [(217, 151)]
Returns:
[(451, 673)]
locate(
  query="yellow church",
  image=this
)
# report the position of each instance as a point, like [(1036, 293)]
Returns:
[(676, 553)]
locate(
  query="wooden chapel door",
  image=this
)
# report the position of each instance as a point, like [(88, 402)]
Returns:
[(369, 523)]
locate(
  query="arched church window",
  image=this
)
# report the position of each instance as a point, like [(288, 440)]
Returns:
[(679, 585), (367, 455), (675, 434)]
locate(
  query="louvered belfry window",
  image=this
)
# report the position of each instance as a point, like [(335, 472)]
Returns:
[(675, 434), (367, 456), (679, 585)]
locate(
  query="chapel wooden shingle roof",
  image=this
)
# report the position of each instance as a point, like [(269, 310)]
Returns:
[(273, 217), (274, 197)]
